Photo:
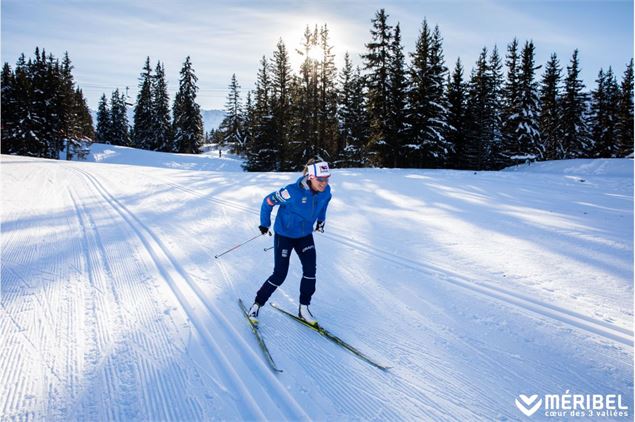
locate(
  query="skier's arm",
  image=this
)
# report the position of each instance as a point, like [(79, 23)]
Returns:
[(322, 214), (274, 198)]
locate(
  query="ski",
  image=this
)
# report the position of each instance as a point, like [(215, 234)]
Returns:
[(261, 341), (332, 337)]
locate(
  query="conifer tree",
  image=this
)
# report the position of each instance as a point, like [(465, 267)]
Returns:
[(143, 129), (427, 116), (120, 129), (496, 160), (576, 140), (377, 68), (527, 145), (188, 122), (398, 101), (281, 81), (9, 141), (23, 127), (43, 102), (327, 98), (84, 120), (604, 115), (625, 114), (511, 101), (305, 102), (41, 108), (353, 118), (231, 128), (262, 152), (550, 128), (477, 151), (103, 132), (161, 139), (457, 112)]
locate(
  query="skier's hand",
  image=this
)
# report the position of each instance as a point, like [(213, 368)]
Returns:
[(263, 229), (319, 227)]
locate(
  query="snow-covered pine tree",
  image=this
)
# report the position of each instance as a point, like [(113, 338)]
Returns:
[(143, 123), (576, 141), (161, 122), (248, 118), (281, 81), (188, 122), (377, 77), (625, 113), (10, 143), (427, 112), (327, 98), (305, 141), (45, 88), (477, 151), (527, 145), (231, 128), (120, 129), (84, 120), (457, 104), (511, 101), (604, 115), (550, 127), (262, 151), (41, 107), (398, 101), (496, 160), (103, 132), (352, 117), (22, 130)]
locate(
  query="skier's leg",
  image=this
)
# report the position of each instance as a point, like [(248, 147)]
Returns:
[(282, 254), (305, 248)]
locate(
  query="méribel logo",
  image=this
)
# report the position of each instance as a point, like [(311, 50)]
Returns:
[(528, 404)]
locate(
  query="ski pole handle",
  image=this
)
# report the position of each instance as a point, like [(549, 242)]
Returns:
[(239, 245)]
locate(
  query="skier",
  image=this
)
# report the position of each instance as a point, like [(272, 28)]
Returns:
[(301, 204)]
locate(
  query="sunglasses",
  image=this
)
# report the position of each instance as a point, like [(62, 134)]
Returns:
[(322, 179)]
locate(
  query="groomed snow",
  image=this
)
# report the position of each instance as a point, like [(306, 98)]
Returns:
[(476, 287)]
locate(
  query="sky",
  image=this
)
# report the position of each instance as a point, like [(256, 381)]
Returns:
[(108, 41)]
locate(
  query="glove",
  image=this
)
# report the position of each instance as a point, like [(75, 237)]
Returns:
[(263, 229), (319, 227)]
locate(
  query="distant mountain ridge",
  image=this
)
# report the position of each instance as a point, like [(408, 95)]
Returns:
[(211, 118)]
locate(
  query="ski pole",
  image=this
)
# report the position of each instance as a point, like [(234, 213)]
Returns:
[(239, 245), (269, 248)]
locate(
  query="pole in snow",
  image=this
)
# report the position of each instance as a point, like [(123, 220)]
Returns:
[(239, 245)]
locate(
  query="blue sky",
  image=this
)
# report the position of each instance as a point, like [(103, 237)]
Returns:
[(108, 41)]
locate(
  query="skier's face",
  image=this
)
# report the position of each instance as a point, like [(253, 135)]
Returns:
[(318, 184)]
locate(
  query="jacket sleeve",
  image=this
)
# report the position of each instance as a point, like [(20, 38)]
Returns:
[(278, 197), (322, 214)]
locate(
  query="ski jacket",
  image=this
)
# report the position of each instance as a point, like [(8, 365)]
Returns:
[(299, 209)]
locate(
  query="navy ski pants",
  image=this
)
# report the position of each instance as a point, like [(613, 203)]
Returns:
[(305, 248)]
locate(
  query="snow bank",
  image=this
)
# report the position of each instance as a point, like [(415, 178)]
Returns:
[(606, 167), (209, 161)]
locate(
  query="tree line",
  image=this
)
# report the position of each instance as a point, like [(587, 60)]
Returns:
[(43, 111), (399, 110), (395, 110), (154, 127)]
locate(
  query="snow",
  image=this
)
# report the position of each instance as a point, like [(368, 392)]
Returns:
[(476, 287)]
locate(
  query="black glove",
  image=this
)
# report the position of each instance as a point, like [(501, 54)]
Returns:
[(319, 227), (263, 229)]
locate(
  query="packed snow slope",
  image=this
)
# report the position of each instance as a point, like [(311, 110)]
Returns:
[(476, 287)]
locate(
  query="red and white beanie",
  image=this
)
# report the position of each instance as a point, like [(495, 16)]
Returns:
[(320, 169)]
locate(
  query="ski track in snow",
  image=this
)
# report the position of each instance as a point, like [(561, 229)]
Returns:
[(546, 310), (109, 313)]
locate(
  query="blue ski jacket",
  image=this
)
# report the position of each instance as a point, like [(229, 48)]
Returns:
[(299, 209)]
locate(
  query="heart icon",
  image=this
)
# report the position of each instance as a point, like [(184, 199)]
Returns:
[(528, 405)]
